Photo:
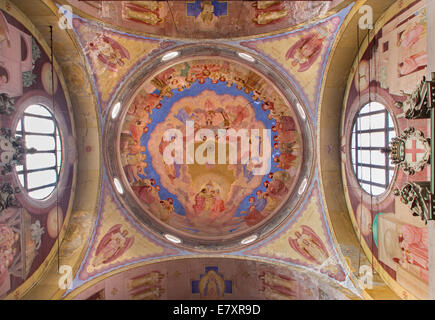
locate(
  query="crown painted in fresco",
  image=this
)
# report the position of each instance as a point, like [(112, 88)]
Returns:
[(411, 151)]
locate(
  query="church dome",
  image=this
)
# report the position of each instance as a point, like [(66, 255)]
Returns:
[(209, 148)]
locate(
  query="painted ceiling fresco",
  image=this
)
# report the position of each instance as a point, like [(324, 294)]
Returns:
[(210, 200), (301, 54), (214, 198), (113, 55), (204, 19), (212, 279), (28, 229), (304, 242), (169, 110), (396, 239)]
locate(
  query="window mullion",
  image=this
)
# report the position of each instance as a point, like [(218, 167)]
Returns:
[(44, 158), (23, 135), (360, 167)]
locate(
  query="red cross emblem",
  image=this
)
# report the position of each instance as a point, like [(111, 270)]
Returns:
[(414, 151)]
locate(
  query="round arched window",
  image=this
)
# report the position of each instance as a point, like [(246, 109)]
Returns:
[(372, 132), (40, 171)]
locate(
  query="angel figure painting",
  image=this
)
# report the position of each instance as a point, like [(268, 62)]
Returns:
[(309, 245), (114, 243), (109, 52), (305, 52)]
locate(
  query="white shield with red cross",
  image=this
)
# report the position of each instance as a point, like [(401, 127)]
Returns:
[(417, 150)]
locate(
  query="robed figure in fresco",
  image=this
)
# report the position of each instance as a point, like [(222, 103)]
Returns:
[(309, 47), (114, 243), (212, 285), (305, 52), (109, 52), (414, 247), (208, 200), (308, 244)]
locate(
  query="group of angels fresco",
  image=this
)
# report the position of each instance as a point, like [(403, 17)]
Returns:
[(214, 94)]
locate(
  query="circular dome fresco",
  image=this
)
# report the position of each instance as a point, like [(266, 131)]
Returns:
[(212, 147)]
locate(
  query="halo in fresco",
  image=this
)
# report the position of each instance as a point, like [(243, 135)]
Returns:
[(209, 200)]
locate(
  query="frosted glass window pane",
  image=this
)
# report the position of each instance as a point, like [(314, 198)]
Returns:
[(378, 176), (378, 158), (365, 173), (376, 106), (42, 193), (365, 109), (21, 178), (59, 157), (18, 126), (38, 110), (359, 156), (58, 140), (40, 160), (365, 157), (364, 140), (376, 191), (38, 125), (364, 123), (40, 143), (377, 121), (390, 122), (377, 139), (41, 178), (366, 187), (59, 149)]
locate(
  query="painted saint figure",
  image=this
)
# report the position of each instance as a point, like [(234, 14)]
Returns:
[(305, 52), (109, 52), (267, 17), (114, 243), (147, 12), (308, 244), (411, 36), (414, 246), (212, 285)]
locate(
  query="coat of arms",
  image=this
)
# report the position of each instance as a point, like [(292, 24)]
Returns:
[(411, 150)]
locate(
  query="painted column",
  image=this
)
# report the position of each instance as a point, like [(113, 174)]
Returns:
[(431, 68)]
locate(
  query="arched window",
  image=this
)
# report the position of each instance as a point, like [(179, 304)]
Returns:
[(39, 174), (372, 132)]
